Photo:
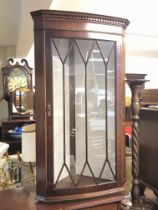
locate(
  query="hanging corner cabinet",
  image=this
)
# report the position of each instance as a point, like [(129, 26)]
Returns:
[(79, 104)]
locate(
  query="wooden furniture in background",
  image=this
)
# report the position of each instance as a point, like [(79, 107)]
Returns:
[(149, 139), (19, 93), (137, 201), (79, 62), (149, 97), (136, 86), (128, 112), (17, 82)]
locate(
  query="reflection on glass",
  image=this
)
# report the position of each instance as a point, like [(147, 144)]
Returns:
[(84, 112), (23, 101)]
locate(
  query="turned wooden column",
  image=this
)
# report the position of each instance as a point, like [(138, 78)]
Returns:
[(136, 86)]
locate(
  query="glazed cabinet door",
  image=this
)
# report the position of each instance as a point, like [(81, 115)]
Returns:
[(84, 117)]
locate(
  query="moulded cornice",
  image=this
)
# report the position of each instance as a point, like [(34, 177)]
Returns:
[(79, 17)]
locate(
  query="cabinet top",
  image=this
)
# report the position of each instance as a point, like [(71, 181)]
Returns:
[(44, 15)]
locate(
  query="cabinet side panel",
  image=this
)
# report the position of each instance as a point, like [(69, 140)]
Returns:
[(120, 94), (40, 104)]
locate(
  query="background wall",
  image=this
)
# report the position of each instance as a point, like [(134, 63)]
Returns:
[(142, 57), (141, 34)]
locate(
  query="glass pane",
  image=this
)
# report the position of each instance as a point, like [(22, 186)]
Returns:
[(62, 46), (111, 108), (96, 70), (84, 112), (58, 112), (85, 51)]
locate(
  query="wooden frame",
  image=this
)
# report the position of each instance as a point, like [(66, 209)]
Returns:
[(9, 87)]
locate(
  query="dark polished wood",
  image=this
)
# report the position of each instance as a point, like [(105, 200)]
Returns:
[(149, 148), (136, 86), (16, 71), (135, 76), (24, 200), (7, 70), (49, 25), (71, 19), (137, 201), (148, 140), (149, 97)]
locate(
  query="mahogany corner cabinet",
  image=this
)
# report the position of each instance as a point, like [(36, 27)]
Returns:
[(79, 105)]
